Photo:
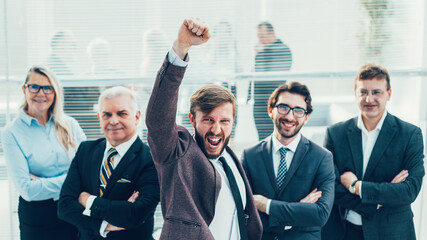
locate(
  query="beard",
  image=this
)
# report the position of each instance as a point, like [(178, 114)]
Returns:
[(285, 134), (202, 140)]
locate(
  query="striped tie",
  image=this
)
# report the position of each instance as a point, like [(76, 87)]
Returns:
[(283, 168), (106, 170)]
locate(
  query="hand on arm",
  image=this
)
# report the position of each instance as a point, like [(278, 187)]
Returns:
[(399, 178), (347, 179), (34, 177), (83, 198), (312, 197), (193, 31), (260, 203)]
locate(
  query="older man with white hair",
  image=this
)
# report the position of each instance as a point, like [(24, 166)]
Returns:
[(112, 189)]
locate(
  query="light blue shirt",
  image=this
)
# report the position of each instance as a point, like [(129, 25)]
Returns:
[(31, 148)]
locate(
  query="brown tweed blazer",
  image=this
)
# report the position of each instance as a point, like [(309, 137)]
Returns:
[(188, 181)]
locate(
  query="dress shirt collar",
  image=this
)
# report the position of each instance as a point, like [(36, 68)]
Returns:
[(27, 119), (292, 146), (362, 127), (122, 148)]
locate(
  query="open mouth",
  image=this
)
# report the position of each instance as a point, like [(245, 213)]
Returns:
[(213, 142)]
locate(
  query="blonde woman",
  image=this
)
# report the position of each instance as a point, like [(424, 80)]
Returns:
[(39, 146)]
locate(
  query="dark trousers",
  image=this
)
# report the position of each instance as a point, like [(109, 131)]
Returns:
[(38, 220), (353, 232)]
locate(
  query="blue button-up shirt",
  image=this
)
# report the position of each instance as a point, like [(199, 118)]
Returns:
[(31, 148)]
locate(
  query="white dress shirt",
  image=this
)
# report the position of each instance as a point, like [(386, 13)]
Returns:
[(277, 145), (368, 141), (121, 151), (225, 224)]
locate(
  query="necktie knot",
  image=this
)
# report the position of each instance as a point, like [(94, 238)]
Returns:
[(283, 151), (112, 151)]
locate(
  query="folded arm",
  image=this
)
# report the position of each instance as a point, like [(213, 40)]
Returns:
[(69, 208), (306, 213), (36, 189), (128, 213)]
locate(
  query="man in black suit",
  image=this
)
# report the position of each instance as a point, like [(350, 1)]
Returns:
[(112, 188), (292, 178), (379, 166)]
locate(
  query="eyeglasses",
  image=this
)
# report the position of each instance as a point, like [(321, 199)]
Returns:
[(374, 93), (34, 88), (285, 109)]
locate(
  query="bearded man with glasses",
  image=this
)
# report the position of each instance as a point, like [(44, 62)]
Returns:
[(291, 177), (379, 166)]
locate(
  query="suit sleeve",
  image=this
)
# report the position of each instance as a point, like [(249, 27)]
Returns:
[(69, 208), (246, 169), (393, 194), (343, 197), (161, 111), (308, 214), (126, 214)]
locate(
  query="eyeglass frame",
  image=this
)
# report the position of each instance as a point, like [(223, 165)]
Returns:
[(279, 106), (374, 93), (45, 88)]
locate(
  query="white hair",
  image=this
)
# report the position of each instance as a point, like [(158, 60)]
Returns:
[(118, 91)]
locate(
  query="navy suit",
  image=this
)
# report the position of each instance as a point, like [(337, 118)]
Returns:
[(399, 146), (311, 167), (136, 167)]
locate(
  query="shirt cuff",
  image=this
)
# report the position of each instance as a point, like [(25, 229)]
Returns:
[(89, 203), (102, 231), (267, 208), (360, 190), (177, 61)]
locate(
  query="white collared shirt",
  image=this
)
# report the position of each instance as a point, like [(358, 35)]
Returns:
[(276, 146), (225, 224), (368, 142), (121, 151)]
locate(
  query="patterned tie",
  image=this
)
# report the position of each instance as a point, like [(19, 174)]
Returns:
[(283, 168), (106, 170)]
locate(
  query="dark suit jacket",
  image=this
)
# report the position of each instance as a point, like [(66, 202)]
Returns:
[(189, 182), (136, 166), (311, 167), (399, 146)]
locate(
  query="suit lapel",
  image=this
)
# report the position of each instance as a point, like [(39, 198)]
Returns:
[(97, 157), (386, 135), (299, 156), (127, 159), (354, 136), (267, 155)]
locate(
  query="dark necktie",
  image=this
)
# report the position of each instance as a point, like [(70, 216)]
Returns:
[(237, 199), (106, 170), (283, 168)]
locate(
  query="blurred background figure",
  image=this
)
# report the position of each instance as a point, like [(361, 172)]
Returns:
[(62, 52), (222, 56), (271, 55), (154, 44), (39, 146), (99, 53)]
